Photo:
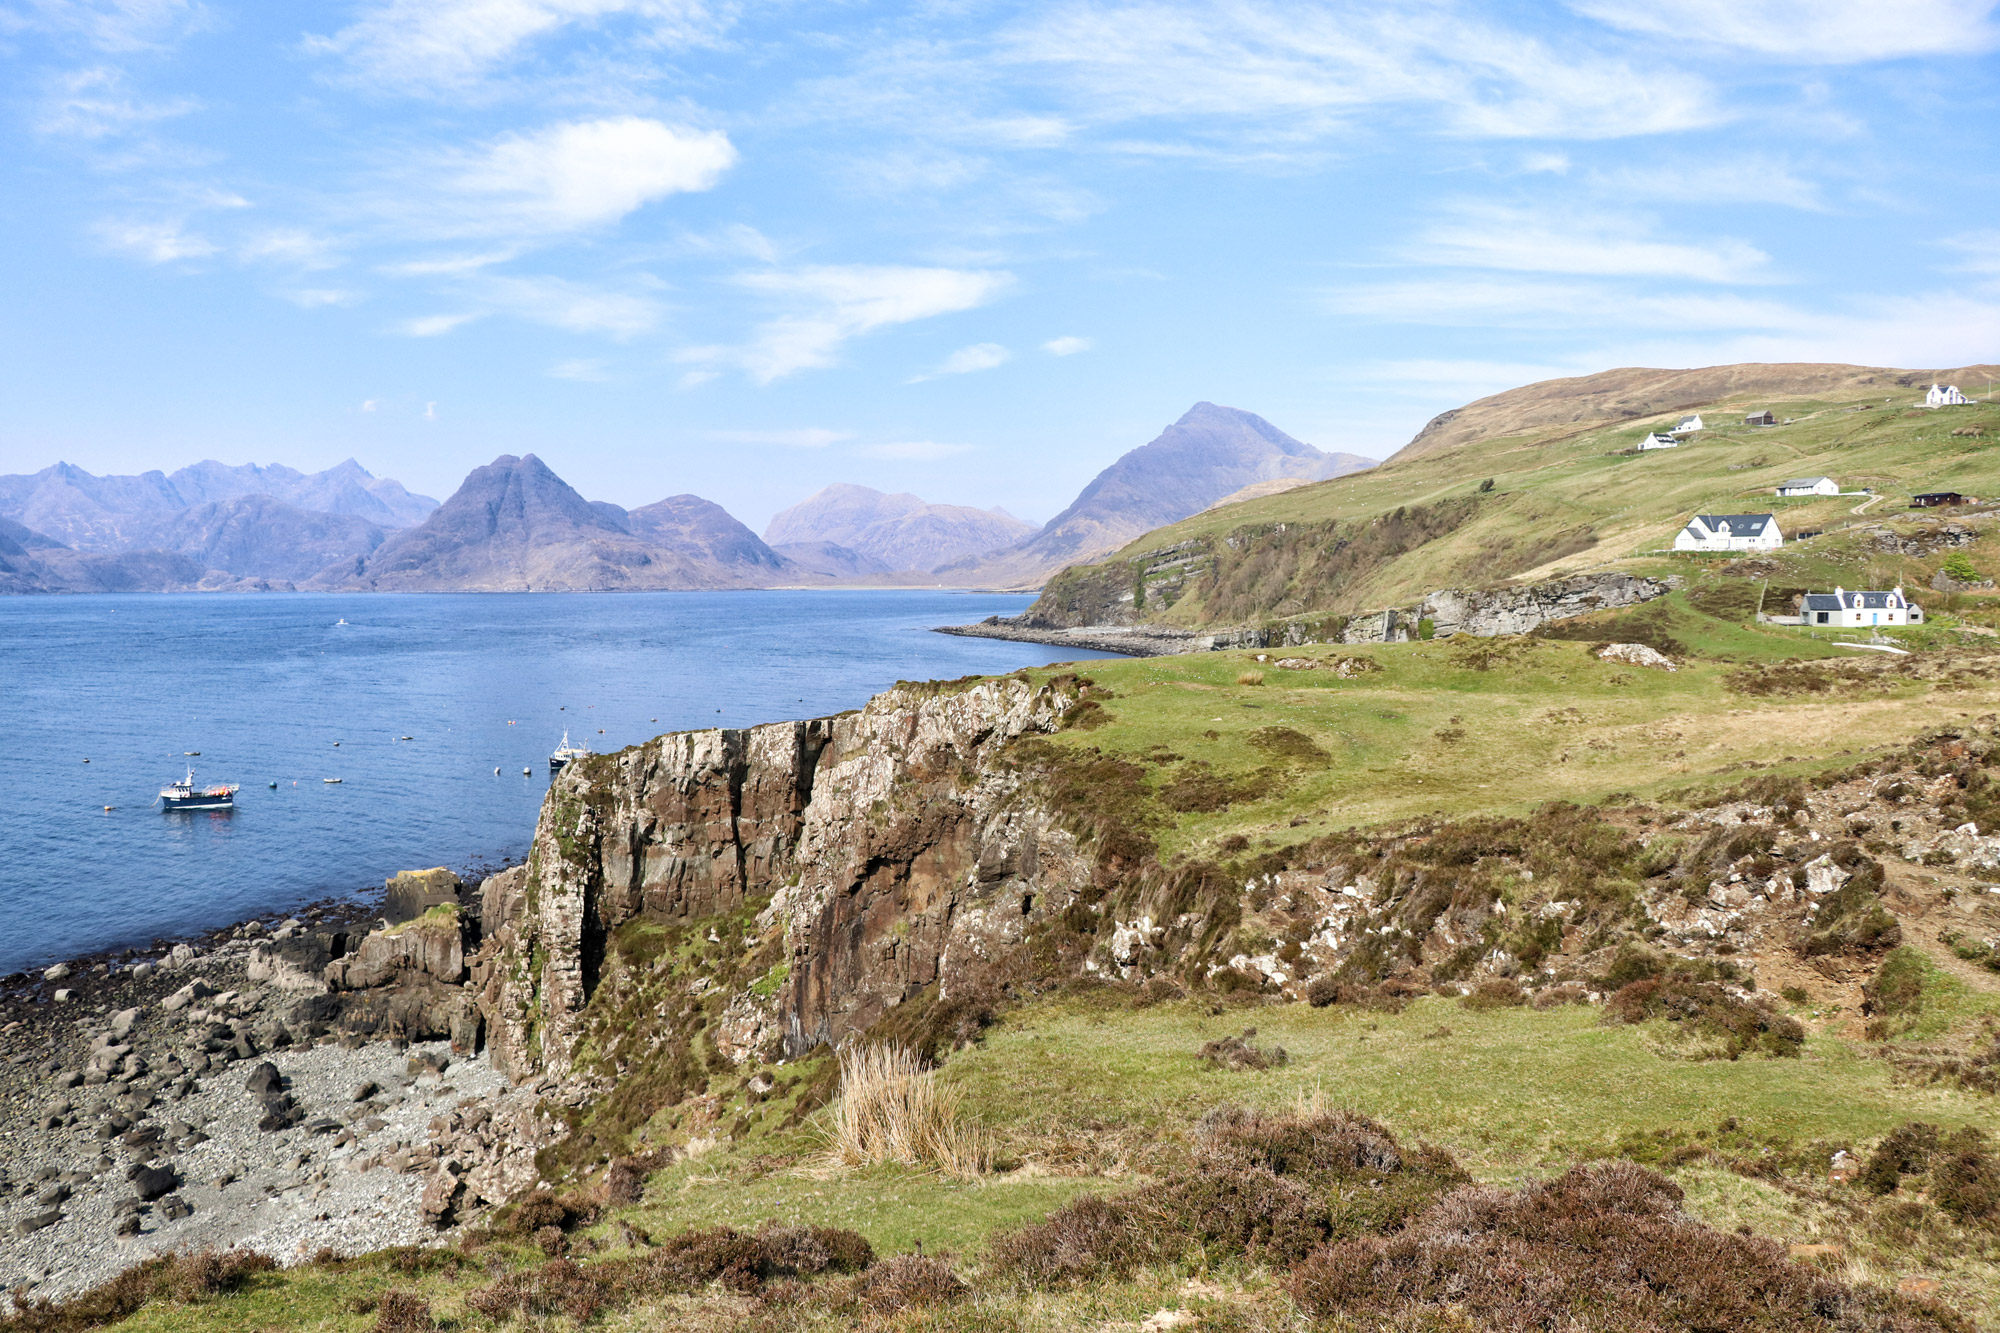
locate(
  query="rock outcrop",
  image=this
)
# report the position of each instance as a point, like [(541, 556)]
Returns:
[(884, 844)]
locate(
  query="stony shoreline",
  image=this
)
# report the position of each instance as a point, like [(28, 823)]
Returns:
[(165, 1100), (1136, 641)]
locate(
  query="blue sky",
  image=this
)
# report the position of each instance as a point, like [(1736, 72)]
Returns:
[(973, 250)]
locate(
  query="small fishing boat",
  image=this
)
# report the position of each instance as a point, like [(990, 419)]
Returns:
[(566, 752), (338, 623), (195, 753), (184, 795), (332, 781)]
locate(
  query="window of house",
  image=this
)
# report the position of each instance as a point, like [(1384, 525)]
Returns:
[(1822, 617)]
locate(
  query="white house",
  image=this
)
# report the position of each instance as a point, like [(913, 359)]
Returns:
[(1688, 426), (1842, 609), (1730, 532), (1809, 486), (1658, 441), (1944, 395)]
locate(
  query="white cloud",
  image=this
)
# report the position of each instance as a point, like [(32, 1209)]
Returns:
[(432, 326), (314, 298), (368, 404), (289, 245), (587, 173), (112, 25), (1811, 31), (156, 242), (96, 103), (913, 451), (839, 302), (1981, 250), (810, 437), (1067, 346), (967, 360), (430, 411), (567, 305), (1730, 182), (1499, 237), (406, 45), (584, 371), (1308, 68), (1555, 164)]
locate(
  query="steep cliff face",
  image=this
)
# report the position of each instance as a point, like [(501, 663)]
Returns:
[(879, 849)]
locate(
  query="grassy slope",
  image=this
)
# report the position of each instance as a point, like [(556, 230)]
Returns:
[(1631, 504)]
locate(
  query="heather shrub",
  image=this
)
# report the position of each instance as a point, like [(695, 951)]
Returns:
[(1714, 1022), (403, 1312), (909, 1282), (1495, 993), (1259, 1184), (1604, 1246), (184, 1278), (1239, 1053), (557, 1287), (1552, 997)]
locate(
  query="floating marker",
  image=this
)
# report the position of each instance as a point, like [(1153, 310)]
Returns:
[(525, 772)]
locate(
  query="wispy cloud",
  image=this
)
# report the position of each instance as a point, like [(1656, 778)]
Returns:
[(1563, 241), (408, 46), (111, 25), (1980, 248), (913, 451), (1837, 32), (1067, 345), (810, 437), (582, 370), (968, 360), (840, 302), (1314, 66), (158, 242), (98, 103), (434, 326)]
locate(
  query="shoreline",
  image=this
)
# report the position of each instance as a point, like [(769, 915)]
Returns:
[(1126, 641)]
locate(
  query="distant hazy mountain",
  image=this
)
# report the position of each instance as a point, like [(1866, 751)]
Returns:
[(515, 526), (898, 532), (32, 562), (831, 560), (261, 537), (1210, 453), (121, 513)]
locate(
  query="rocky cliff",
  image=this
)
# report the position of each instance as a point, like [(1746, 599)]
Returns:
[(875, 849)]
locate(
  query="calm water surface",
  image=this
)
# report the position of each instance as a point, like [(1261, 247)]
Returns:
[(265, 685)]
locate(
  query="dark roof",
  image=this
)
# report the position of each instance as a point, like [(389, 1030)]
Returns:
[(1736, 522), (1850, 601)]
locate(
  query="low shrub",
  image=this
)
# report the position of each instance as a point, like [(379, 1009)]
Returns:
[(1716, 1023), (1958, 1170), (1602, 1246), (403, 1312), (1552, 997), (1495, 993), (1262, 1185), (1239, 1053), (184, 1278), (909, 1282)]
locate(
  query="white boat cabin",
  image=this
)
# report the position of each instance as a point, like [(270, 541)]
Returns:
[(1841, 609), (1730, 532)]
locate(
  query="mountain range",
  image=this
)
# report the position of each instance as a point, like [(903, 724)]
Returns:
[(514, 525), (847, 530)]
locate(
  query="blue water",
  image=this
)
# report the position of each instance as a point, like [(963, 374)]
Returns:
[(264, 685)]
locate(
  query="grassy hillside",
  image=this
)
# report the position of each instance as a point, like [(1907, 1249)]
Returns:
[(1553, 500), (1423, 759)]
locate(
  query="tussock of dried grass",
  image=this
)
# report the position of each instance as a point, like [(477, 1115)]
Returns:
[(893, 1110)]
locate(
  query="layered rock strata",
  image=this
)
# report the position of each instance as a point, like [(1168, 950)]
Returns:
[(885, 841)]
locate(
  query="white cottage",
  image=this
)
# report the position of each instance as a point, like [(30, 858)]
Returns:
[(1944, 395), (1688, 426), (1658, 441), (1809, 486), (1841, 609), (1730, 532)]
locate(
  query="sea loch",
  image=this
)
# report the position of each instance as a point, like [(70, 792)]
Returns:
[(271, 689)]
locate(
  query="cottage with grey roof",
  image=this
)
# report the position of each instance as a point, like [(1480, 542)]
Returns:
[(1730, 532), (1841, 609), (1809, 486)]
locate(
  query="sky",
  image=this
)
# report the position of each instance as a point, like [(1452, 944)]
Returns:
[(970, 250)]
